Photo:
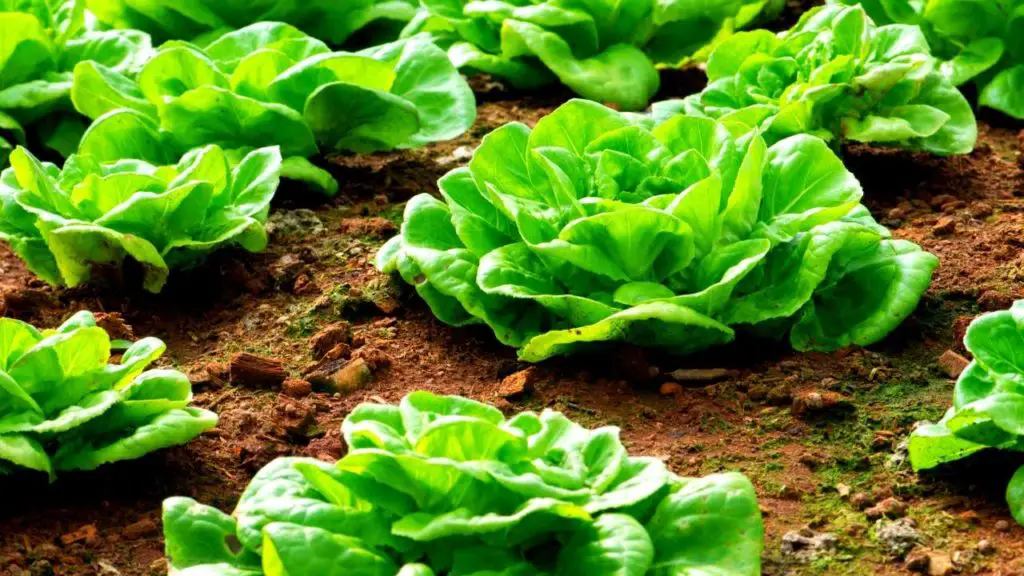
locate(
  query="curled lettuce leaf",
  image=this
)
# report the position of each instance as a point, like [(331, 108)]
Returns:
[(838, 76), (271, 85), (66, 223), (988, 402), (604, 51), (589, 229), (333, 21), (43, 40), (63, 406), (446, 485), (978, 41)]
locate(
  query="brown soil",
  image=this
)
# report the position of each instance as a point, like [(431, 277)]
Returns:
[(271, 304)]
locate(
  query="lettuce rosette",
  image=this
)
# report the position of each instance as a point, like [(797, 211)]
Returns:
[(332, 21), (66, 224), (271, 85), (988, 402), (590, 229), (838, 76), (978, 41), (603, 50), (448, 486), (65, 406), (41, 41)]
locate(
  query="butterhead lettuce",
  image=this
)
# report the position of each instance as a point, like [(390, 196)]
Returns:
[(978, 41), (448, 486), (41, 41), (271, 85), (604, 50), (65, 406), (332, 21), (838, 76), (988, 402), (67, 223), (589, 229)]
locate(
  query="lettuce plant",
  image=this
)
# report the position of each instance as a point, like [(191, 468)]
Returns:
[(332, 21), (446, 485), (838, 76), (66, 223), (591, 229), (603, 50), (42, 42), (988, 402), (63, 406), (271, 85)]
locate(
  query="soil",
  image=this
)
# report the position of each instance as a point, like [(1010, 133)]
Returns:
[(813, 468)]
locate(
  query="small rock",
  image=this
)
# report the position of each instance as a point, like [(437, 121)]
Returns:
[(329, 337), (255, 371), (301, 222), (296, 419), (286, 269), (888, 508), (1003, 525), (843, 490), (939, 564), (860, 501), (981, 210), (519, 384), (86, 534), (897, 213), (942, 199), (296, 388), (670, 389), (897, 536), (952, 364), (780, 395), (805, 546), (353, 376), (703, 375), (806, 403), (970, 516), (986, 547), (141, 529), (917, 562), (115, 325), (991, 300), (944, 227)]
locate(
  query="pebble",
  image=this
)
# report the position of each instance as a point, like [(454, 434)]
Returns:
[(986, 547), (843, 490), (861, 500), (981, 210), (141, 529), (518, 384), (329, 337), (353, 376), (670, 389), (888, 508), (815, 402), (1003, 526), (296, 388), (897, 536), (944, 227), (805, 545), (952, 364), (87, 534)]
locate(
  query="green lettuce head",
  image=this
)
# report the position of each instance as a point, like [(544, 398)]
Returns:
[(63, 406), (988, 402), (604, 50), (446, 485), (65, 223), (838, 76), (979, 41), (42, 41), (333, 21), (271, 85), (591, 229)]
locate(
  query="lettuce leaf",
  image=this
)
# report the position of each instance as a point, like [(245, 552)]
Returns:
[(271, 85), (838, 76), (589, 229), (446, 485), (978, 41), (988, 402), (604, 51), (370, 21), (42, 42), (67, 223), (64, 407)]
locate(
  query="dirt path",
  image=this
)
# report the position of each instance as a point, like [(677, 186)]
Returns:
[(813, 468)]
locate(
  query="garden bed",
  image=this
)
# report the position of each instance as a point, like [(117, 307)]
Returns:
[(818, 434)]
